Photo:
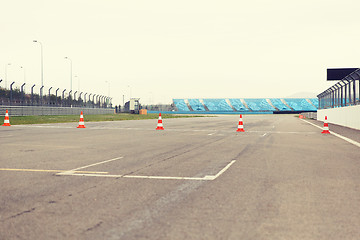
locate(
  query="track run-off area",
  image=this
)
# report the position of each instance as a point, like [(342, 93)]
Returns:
[(197, 179)]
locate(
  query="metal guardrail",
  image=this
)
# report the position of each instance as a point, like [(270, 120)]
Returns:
[(345, 92), (311, 115), (33, 110)]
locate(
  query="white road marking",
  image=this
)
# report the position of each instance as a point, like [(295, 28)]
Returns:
[(223, 170), (206, 178), (279, 132), (42, 126), (46, 170), (164, 178), (336, 134), (212, 131), (91, 165)]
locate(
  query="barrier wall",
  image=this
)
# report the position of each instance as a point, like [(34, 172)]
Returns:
[(206, 113), (312, 115), (344, 116), (31, 110)]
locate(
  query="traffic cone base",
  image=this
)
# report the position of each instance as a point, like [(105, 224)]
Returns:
[(6, 120), (326, 129), (81, 122)]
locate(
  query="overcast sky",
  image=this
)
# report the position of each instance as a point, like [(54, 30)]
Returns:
[(159, 50)]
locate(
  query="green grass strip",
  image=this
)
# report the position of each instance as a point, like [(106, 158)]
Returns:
[(18, 120)]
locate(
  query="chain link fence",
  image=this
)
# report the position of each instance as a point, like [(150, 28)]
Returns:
[(43, 110)]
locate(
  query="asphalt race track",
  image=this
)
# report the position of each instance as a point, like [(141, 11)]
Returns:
[(197, 179)]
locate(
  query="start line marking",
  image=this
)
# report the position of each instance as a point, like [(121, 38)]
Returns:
[(206, 178)]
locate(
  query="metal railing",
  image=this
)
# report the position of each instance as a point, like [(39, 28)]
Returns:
[(51, 97), (45, 110), (343, 93)]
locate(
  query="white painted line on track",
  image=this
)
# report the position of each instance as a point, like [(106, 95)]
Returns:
[(42, 126), (165, 178), (46, 170), (90, 175), (206, 178), (223, 170), (212, 131), (279, 132), (91, 165), (336, 134)]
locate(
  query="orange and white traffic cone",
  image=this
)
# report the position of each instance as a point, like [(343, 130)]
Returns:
[(7, 120), (81, 122), (160, 125), (326, 126), (301, 116), (240, 125)]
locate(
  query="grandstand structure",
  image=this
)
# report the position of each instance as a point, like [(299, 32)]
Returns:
[(246, 105)]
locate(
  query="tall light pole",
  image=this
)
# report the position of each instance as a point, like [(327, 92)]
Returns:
[(6, 67), (42, 66), (70, 72)]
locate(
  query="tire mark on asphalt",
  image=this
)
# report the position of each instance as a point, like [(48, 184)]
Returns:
[(147, 215), (175, 155), (19, 214), (94, 227)]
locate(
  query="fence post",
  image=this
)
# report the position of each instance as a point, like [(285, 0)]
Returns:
[(85, 99), (11, 92), (70, 98), (80, 99), (50, 96), (32, 95), (56, 99), (90, 98), (22, 94), (41, 95), (63, 97)]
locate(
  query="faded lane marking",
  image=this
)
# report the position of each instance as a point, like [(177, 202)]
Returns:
[(336, 134), (87, 166), (206, 178), (45, 170)]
